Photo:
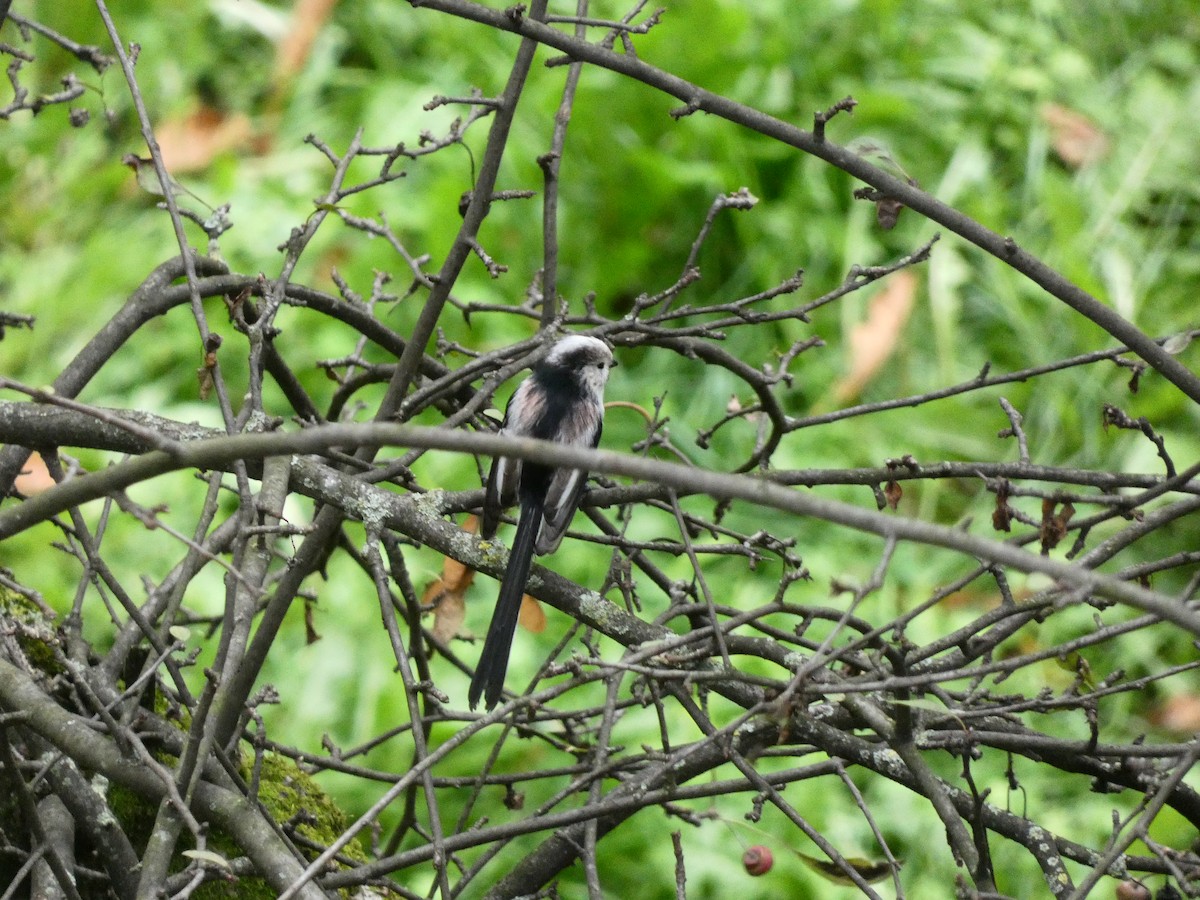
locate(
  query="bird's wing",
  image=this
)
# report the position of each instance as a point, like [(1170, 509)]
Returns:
[(566, 487), (562, 499), (500, 494), (504, 478)]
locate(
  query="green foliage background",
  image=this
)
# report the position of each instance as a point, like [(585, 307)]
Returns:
[(952, 89)]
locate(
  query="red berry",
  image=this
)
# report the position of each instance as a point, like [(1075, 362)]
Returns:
[(758, 860)]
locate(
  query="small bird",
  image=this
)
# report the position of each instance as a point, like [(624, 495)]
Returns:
[(147, 179), (562, 401)]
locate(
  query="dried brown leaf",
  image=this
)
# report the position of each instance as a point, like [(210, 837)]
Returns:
[(874, 340), (1180, 713), (531, 617), (190, 144), (308, 19), (449, 611), (311, 635), (1075, 138), (893, 492), (34, 478)]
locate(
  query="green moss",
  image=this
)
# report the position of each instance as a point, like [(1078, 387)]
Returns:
[(33, 629), (288, 793)]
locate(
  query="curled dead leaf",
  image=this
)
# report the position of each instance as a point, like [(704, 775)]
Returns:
[(1002, 515), (893, 492), (1054, 524)]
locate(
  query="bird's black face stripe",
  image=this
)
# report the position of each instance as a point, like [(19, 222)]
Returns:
[(579, 358)]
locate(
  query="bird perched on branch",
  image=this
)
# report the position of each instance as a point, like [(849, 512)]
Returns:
[(562, 401)]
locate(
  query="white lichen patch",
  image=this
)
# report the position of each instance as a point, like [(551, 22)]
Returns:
[(888, 761)]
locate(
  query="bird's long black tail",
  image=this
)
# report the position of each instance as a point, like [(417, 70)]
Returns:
[(488, 680)]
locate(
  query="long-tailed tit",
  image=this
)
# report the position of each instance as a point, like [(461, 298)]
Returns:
[(562, 401)]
